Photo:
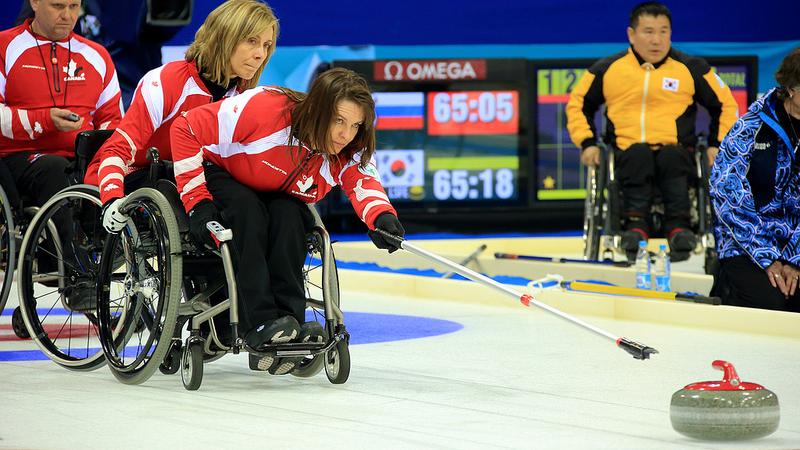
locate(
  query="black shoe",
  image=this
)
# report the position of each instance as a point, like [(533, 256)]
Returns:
[(630, 242), (311, 332), (81, 298), (681, 240), (272, 364), (277, 331)]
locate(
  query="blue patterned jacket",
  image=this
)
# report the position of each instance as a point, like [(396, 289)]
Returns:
[(754, 189)]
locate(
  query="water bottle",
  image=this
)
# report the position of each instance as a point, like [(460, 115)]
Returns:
[(661, 269), (643, 280)]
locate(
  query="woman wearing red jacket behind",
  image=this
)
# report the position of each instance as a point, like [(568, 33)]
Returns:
[(252, 162), (227, 57)]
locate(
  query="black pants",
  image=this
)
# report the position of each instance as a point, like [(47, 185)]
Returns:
[(741, 282), (269, 248), (640, 169)]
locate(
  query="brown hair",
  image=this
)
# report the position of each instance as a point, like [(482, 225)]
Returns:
[(313, 115), (788, 74), (225, 27)]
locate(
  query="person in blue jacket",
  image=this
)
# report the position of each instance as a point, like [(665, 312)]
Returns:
[(755, 191)]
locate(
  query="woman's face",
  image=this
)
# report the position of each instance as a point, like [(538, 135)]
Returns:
[(251, 53), (349, 117)]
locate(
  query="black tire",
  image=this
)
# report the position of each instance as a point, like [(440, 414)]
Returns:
[(192, 366), (337, 363), (48, 273), (593, 210), (172, 361), (18, 324), (310, 365), (142, 267), (8, 248)]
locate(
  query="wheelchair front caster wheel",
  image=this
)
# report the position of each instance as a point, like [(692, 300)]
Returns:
[(337, 362), (192, 366), (172, 361), (18, 324)]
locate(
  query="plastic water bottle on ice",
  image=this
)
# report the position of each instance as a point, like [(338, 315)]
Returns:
[(643, 280), (661, 269)]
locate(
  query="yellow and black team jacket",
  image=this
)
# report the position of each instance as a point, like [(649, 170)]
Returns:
[(648, 103)]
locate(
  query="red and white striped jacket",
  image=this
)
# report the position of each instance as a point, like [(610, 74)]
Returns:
[(37, 74), (161, 96), (249, 136)]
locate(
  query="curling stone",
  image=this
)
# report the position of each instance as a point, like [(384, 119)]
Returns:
[(727, 410)]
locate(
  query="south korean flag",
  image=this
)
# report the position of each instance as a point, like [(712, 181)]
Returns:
[(670, 84), (401, 168)]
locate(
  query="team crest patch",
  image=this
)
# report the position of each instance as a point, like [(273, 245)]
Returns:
[(370, 171), (669, 84)]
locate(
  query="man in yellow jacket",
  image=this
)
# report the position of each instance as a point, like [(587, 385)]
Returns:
[(650, 92)]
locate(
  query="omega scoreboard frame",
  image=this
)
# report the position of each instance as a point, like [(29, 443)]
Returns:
[(451, 133)]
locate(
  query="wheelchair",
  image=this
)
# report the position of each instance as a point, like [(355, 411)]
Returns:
[(57, 269), (154, 282), (603, 220)]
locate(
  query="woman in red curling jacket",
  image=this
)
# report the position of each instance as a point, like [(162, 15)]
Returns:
[(252, 161), (227, 57)]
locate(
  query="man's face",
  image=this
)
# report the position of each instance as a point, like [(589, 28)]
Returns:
[(55, 19), (651, 38)]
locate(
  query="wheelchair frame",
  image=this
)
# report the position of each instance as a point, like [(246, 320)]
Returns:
[(602, 230), (163, 322)]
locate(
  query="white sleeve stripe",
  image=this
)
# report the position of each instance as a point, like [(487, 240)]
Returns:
[(2, 84), (104, 125), (186, 165), (229, 111), (266, 143), (369, 206), (17, 47), (26, 123), (130, 142), (113, 161), (112, 176), (189, 88), (109, 92), (325, 172), (193, 183), (362, 193), (5, 121), (152, 92)]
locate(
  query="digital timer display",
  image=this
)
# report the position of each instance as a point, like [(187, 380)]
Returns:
[(449, 133), (473, 112)]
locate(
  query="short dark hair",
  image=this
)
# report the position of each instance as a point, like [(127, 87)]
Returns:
[(788, 74), (654, 9)]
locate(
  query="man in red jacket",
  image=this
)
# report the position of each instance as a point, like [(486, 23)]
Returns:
[(53, 84)]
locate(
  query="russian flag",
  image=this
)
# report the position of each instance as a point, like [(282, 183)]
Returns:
[(399, 110)]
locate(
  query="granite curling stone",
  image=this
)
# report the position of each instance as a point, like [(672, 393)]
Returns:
[(727, 410)]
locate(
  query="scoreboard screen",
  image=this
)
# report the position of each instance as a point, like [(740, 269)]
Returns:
[(559, 173), (449, 132)]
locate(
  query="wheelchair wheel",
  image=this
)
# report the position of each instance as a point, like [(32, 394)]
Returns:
[(192, 366), (57, 275), (8, 248), (310, 365), (172, 360), (139, 288), (18, 324), (593, 209), (337, 362)]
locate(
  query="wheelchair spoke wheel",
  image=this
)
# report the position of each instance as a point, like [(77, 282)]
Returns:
[(57, 272), (140, 281)]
